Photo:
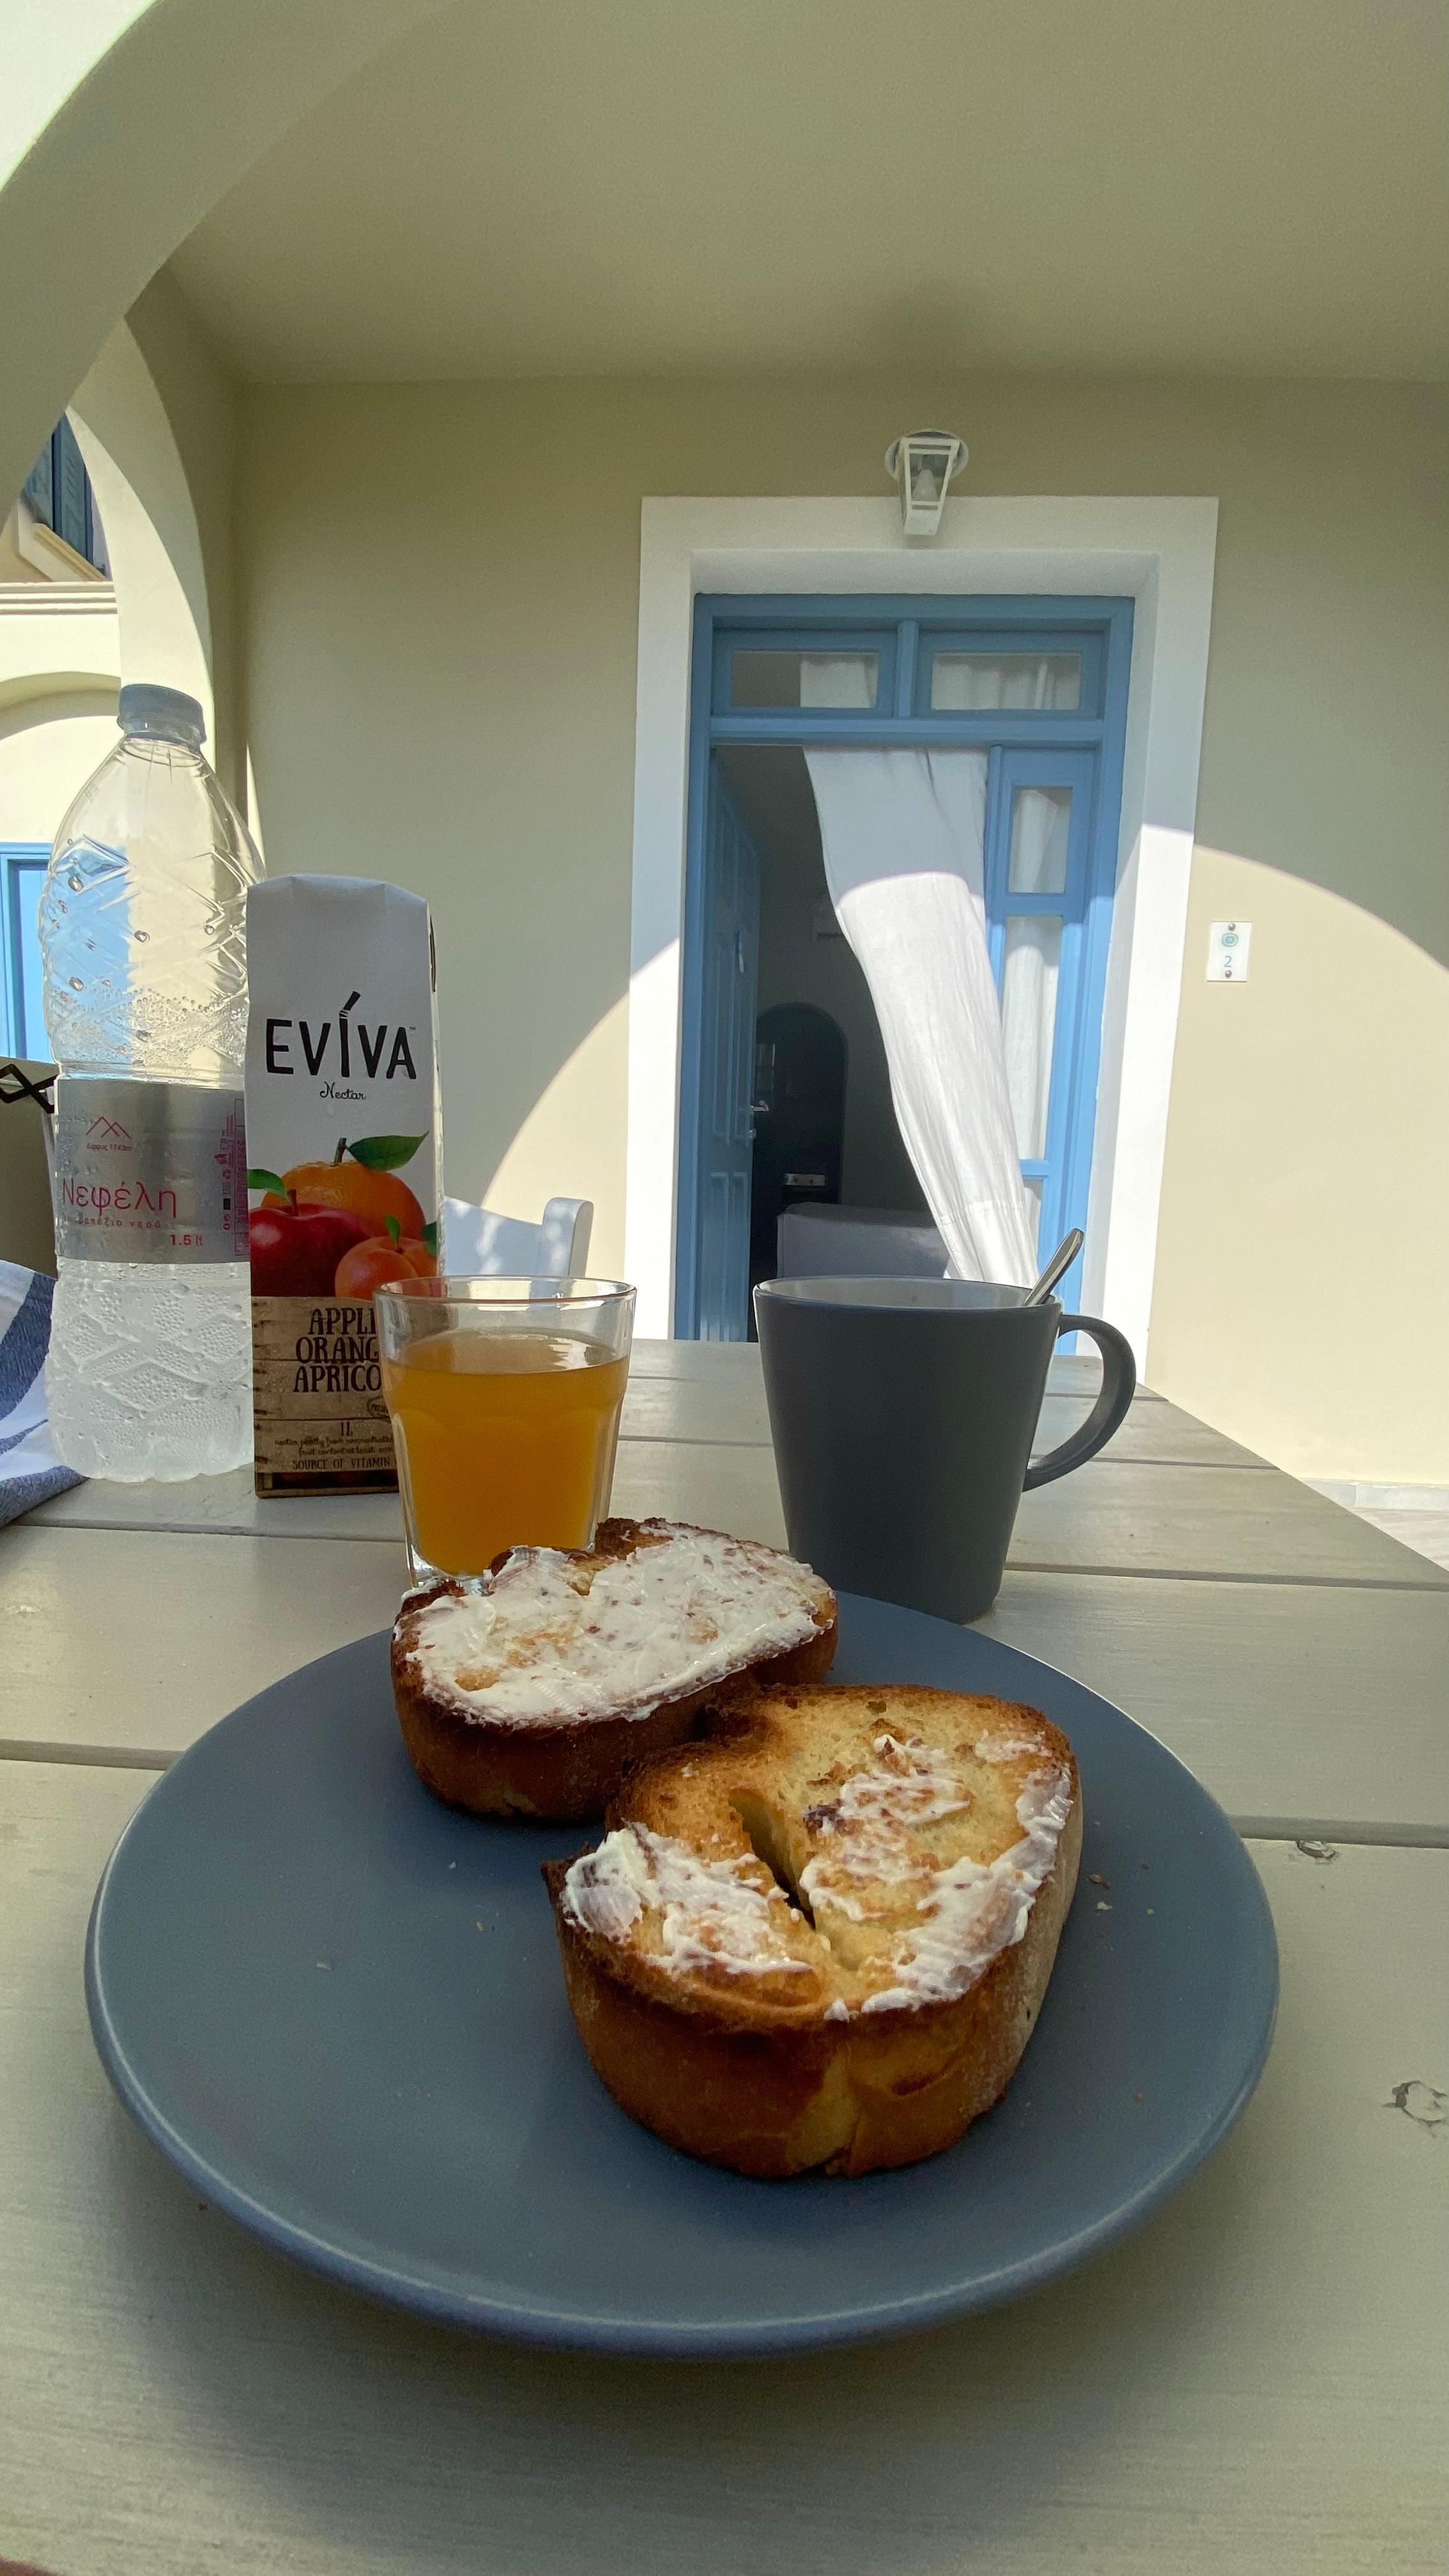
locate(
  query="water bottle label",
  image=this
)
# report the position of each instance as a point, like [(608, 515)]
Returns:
[(148, 1171)]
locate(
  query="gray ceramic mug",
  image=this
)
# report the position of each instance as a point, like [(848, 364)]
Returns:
[(902, 1413)]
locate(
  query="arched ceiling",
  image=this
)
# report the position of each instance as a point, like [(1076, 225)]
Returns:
[(122, 124), (1258, 187)]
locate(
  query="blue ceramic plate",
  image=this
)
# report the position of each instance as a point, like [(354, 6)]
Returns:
[(336, 2005)]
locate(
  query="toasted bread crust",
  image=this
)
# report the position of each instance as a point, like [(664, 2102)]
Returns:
[(568, 1768), (741, 2074)]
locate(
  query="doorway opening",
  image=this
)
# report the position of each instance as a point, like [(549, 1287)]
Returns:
[(785, 1106), (821, 1132)]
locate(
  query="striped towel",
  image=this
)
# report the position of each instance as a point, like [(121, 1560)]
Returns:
[(29, 1469)]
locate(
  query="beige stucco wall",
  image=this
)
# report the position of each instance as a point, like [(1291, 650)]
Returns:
[(441, 598), (1304, 1239)]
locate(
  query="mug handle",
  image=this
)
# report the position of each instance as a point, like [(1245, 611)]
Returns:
[(1119, 1385)]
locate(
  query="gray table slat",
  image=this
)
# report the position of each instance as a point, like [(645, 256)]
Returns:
[(1153, 1433), (1257, 2381), (731, 1363), (1208, 1521), (697, 1411), (137, 1642), (1310, 1710), (1118, 1513), (1276, 1696), (219, 1506), (1114, 1514), (734, 1410)]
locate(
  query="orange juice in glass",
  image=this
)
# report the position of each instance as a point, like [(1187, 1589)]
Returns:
[(504, 1396)]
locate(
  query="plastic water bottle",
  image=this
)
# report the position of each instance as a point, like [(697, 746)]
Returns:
[(142, 929)]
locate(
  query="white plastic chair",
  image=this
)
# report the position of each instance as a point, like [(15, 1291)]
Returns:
[(479, 1245)]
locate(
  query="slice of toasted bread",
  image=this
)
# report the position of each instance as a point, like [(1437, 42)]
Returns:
[(532, 1692), (822, 1937)]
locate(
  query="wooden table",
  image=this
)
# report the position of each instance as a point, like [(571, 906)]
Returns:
[(1256, 2381)]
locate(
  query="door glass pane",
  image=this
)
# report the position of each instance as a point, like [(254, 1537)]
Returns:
[(1028, 683), (803, 679), (1028, 1014), (1040, 825)]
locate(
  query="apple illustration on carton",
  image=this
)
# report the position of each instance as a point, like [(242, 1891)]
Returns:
[(343, 1227), (296, 1250)]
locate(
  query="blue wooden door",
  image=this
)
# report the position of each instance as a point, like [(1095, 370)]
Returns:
[(730, 901), (1038, 684)]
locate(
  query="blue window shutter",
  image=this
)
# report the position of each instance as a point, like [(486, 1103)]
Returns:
[(58, 490), (72, 496), (39, 488)]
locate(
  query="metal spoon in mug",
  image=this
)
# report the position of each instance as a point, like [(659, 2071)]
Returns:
[(1062, 1259)]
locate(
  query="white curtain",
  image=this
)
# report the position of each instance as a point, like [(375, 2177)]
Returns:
[(903, 834), (967, 681), (1040, 822)]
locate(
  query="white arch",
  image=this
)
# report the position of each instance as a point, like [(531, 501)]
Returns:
[(123, 428), (152, 537), (120, 127), (53, 697)]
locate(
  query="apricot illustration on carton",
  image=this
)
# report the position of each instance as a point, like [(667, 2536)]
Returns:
[(384, 1258)]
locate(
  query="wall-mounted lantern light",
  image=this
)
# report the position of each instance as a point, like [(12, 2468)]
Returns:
[(923, 463)]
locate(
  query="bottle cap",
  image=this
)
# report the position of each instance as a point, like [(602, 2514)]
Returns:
[(145, 707)]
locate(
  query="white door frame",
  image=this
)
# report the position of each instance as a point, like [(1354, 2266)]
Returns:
[(1160, 553)]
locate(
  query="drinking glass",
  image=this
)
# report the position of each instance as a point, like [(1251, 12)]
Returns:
[(504, 1396)]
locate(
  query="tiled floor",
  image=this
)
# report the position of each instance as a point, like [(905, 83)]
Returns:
[(1416, 1515), (1426, 1531)]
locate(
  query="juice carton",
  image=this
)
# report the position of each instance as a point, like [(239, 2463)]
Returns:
[(344, 1153)]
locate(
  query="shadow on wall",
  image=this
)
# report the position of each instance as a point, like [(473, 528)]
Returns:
[(1304, 1232), (86, 217), (573, 1143), (1301, 1194)]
